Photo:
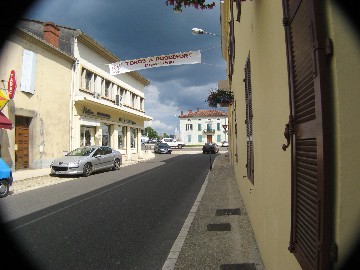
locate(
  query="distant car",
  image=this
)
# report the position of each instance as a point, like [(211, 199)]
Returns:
[(224, 144), (86, 160), (162, 148), (6, 178), (210, 148)]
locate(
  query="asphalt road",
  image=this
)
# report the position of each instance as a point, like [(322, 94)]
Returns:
[(127, 219)]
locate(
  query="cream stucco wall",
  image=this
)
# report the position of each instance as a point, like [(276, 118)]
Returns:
[(345, 81), (48, 106), (261, 34)]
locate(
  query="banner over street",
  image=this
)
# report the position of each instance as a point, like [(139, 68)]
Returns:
[(192, 57)]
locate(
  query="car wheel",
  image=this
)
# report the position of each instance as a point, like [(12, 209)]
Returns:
[(87, 169), (4, 188), (180, 146), (116, 164)]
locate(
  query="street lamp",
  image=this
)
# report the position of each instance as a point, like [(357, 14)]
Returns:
[(198, 31)]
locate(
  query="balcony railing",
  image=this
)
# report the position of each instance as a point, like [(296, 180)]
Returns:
[(209, 131)]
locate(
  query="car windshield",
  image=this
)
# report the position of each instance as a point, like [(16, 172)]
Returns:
[(163, 145), (82, 151)]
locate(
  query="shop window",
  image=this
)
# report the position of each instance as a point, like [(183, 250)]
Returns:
[(86, 136), (133, 137), (106, 135), (121, 137)]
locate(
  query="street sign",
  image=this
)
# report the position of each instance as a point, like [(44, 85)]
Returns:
[(12, 84)]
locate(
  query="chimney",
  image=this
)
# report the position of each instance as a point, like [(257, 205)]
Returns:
[(182, 113), (51, 34), (197, 109), (190, 111)]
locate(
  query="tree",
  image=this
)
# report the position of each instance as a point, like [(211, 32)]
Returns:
[(151, 133)]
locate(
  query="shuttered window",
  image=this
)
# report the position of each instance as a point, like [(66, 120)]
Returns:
[(310, 199), (231, 49), (248, 122), (28, 72)]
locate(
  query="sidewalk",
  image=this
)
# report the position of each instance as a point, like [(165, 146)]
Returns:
[(217, 233)]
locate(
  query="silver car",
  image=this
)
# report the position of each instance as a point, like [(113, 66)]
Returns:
[(87, 159)]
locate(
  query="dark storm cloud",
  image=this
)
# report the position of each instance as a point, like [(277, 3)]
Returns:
[(132, 29)]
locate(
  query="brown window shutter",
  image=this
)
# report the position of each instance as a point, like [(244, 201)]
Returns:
[(248, 122), (231, 48), (310, 199)]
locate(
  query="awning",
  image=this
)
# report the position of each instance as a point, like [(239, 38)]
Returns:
[(5, 122)]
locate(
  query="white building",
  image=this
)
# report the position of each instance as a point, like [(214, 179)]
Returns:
[(201, 126)]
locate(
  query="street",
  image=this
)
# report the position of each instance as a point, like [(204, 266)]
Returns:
[(127, 219)]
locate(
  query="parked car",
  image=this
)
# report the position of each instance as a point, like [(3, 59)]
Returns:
[(162, 148), (224, 144), (6, 178), (173, 142), (210, 148), (86, 160)]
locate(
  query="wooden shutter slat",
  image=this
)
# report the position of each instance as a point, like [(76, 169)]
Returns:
[(306, 55)]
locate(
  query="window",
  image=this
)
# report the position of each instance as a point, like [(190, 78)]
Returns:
[(105, 135), (133, 100), (133, 137), (106, 150), (218, 126), (107, 92), (200, 138), (218, 138), (209, 128), (188, 127), (189, 138), (199, 127), (121, 137), (28, 72), (248, 122), (88, 76)]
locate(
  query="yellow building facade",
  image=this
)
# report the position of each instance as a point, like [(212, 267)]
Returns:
[(295, 63)]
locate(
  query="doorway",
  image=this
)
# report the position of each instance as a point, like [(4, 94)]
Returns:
[(87, 135), (22, 125), (209, 138)]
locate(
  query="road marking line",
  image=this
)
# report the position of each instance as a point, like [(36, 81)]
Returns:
[(179, 242)]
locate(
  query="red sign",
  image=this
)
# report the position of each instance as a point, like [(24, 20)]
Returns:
[(12, 84)]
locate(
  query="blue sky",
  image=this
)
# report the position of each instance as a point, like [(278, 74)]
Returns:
[(133, 29)]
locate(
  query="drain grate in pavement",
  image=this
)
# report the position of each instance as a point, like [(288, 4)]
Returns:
[(221, 227), (241, 266), (227, 212)]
